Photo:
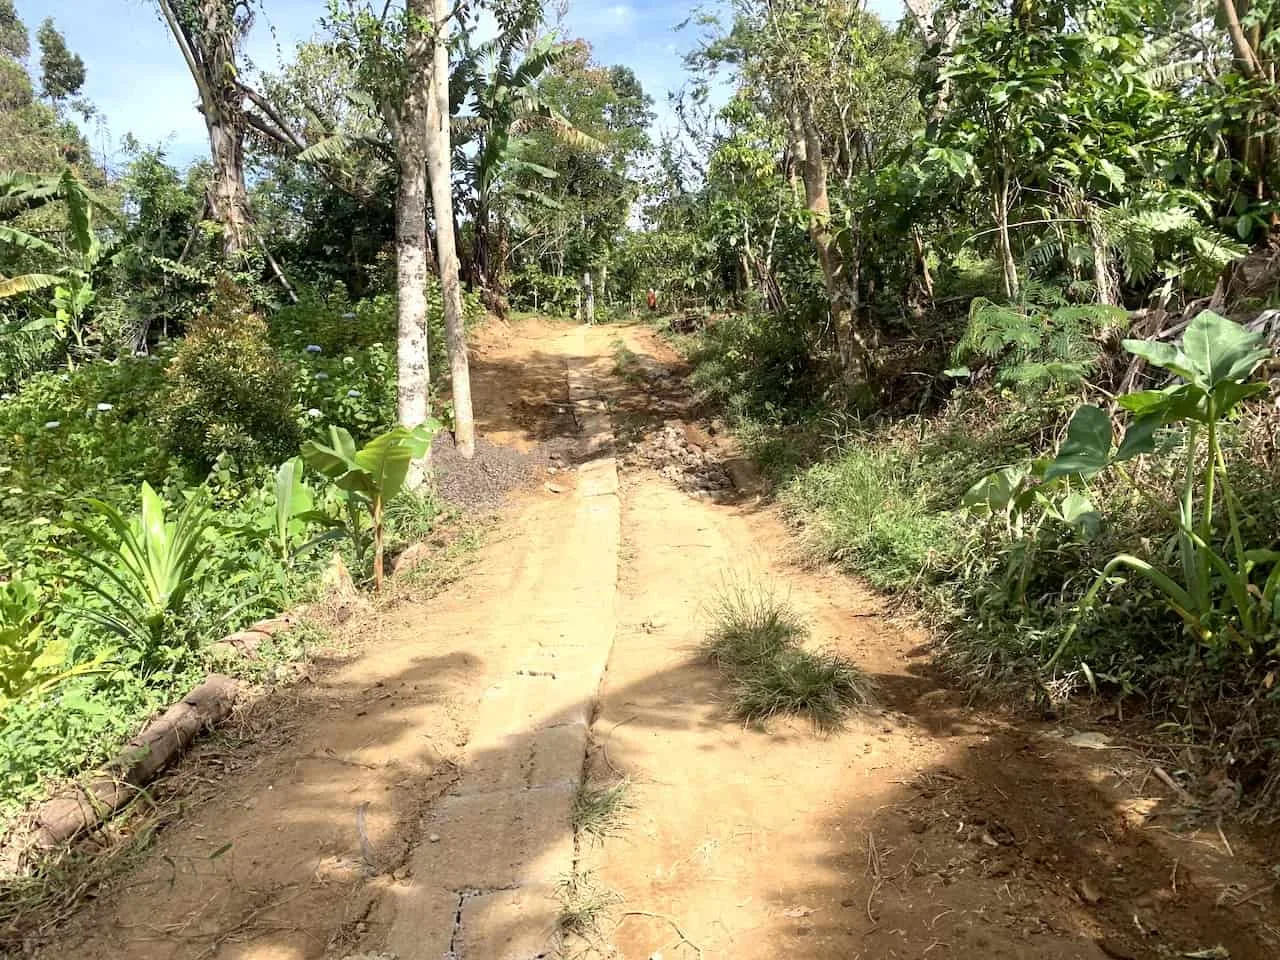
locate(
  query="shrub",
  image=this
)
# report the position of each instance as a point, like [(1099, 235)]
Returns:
[(228, 393), (756, 366)]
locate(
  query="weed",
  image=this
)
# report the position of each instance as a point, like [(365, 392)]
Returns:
[(626, 363), (583, 902), (751, 624), (756, 640), (599, 811), (820, 685)]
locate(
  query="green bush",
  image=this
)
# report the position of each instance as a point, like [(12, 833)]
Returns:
[(530, 288), (757, 366), (228, 393)]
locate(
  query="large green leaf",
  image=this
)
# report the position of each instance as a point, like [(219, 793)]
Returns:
[(1164, 355), (334, 459), (996, 491), (1087, 448), (1222, 350), (386, 460)]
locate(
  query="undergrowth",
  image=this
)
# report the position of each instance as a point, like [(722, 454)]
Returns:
[(882, 497)]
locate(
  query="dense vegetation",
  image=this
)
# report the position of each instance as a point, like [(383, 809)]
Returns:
[(913, 251), (921, 249)]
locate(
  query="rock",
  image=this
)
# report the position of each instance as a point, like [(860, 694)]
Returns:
[(553, 488), (415, 554), (245, 642), (1087, 890)]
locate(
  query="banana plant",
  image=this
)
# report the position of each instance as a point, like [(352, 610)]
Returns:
[(151, 564), (293, 504), (1223, 595), (370, 477)]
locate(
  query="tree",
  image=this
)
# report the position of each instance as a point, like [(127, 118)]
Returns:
[(506, 103), (61, 71), (14, 42), (208, 34), (439, 165)]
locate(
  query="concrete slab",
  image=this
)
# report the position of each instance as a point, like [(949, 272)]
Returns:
[(541, 758), (491, 841), (598, 478), (426, 913), (516, 924)]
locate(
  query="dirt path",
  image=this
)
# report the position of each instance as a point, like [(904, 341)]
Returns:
[(922, 829)]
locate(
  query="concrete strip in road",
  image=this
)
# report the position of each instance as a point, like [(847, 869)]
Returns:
[(483, 886)]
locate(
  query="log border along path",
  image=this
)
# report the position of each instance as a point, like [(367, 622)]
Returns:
[(499, 844)]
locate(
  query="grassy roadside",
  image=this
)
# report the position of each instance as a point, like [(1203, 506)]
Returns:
[(882, 497)]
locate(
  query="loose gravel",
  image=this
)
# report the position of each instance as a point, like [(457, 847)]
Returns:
[(484, 482)]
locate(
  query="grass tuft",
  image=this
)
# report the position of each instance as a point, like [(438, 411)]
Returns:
[(756, 640), (583, 902), (820, 685), (599, 811), (751, 624)]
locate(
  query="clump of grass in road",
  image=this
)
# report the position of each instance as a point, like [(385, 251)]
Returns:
[(751, 624), (820, 685), (583, 902), (626, 363), (756, 640), (599, 810)]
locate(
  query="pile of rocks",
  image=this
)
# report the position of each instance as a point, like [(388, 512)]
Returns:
[(670, 451)]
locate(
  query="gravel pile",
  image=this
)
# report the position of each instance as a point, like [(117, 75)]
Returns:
[(483, 482), (688, 466)]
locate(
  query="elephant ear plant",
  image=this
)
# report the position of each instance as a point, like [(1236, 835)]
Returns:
[(1222, 596), (371, 476)]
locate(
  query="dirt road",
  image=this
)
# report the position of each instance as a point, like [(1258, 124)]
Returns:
[(418, 800)]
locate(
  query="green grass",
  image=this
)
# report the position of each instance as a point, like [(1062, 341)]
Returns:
[(599, 811), (751, 623), (819, 685), (583, 904), (756, 638)]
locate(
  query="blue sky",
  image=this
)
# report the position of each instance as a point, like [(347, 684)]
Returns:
[(138, 81)]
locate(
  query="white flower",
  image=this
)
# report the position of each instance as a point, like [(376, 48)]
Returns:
[(348, 316), (322, 375), (297, 333), (348, 360), (104, 407), (52, 424), (313, 348), (313, 412), (353, 393)]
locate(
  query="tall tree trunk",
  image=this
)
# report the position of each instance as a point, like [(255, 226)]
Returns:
[(1106, 285), (408, 120), (206, 33), (840, 278), (439, 159), (589, 298), (1004, 247)]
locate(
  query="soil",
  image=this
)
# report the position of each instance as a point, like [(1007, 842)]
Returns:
[(368, 819)]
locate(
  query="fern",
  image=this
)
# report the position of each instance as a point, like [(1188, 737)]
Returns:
[(1032, 346)]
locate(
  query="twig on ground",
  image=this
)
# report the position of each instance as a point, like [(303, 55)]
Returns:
[(666, 919)]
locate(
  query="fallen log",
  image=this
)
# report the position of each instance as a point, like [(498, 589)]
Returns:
[(87, 805)]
